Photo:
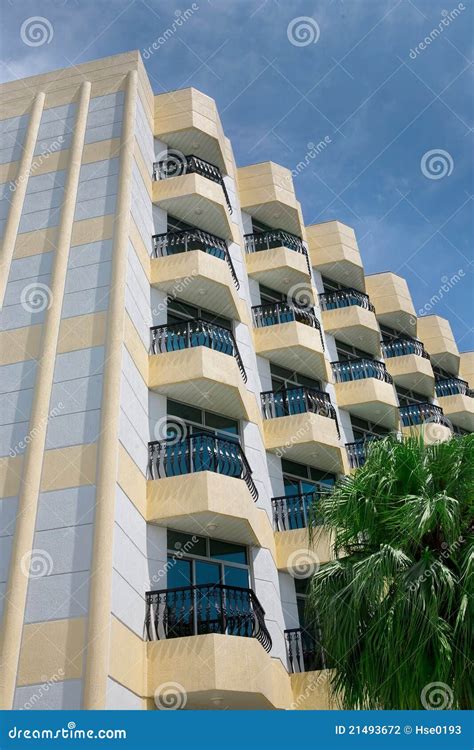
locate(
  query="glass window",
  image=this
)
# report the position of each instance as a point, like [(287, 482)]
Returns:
[(362, 429), (192, 544), (407, 397), (283, 378), (179, 311), (199, 420), (268, 295), (236, 577), (179, 573), (346, 352), (226, 551)]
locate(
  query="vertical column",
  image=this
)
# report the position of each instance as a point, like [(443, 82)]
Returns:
[(16, 206), (30, 486), (98, 637)]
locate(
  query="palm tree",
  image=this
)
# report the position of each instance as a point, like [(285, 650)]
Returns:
[(395, 606)]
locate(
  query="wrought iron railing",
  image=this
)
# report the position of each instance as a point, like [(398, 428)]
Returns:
[(172, 243), (177, 164), (357, 451), (294, 511), (203, 609), (273, 238), (199, 452), (359, 369), (345, 298), (273, 313), (401, 347), (416, 414), (197, 332), (305, 654), (289, 401), (453, 387)]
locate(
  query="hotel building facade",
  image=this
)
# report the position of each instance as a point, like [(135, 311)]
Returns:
[(184, 367)]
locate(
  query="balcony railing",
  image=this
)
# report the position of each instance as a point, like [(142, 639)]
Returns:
[(289, 401), (258, 241), (192, 333), (172, 243), (203, 609), (453, 387), (177, 164), (357, 451), (359, 369), (199, 452), (401, 347), (345, 298), (304, 652), (293, 511), (416, 414), (274, 313)]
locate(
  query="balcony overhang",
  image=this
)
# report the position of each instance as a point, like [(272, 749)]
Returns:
[(307, 438), (370, 399), (294, 553), (188, 121), (238, 673), (197, 277), (197, 201), (293, 345), (437, 336), (459, 409), (267, 193), (353, 325), (393, 304), (333, 250), (282, 269), (432, 432), (205, 500), (205, 378), (412, 372)]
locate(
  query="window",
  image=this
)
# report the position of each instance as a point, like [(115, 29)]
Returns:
[(199, 421), (283, 378), (259, 227), (196, 560), (347, 353), (441, 374), (176, 225), (363, 430), (391, 334), (181, 311), (407, 397), (332, 286), (269, 296), (300, 479)]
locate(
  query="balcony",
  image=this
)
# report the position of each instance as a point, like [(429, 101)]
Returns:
[(224, 628), (393, 303), (300, 424), (198, 362), (193, 190), (365, 389), (457, 401), (205, 482), (334, 252), (303, 651), (267, 193), (409, 365), (357, 451), (199, 264), (290, 335), (278, 260), (349, 315), (425, 419), (439, 340)]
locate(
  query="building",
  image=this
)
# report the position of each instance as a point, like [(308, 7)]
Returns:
[(184, 365)]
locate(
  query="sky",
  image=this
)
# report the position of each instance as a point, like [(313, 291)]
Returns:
[(383, 86)]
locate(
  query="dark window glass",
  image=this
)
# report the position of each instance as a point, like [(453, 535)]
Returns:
[(406, 397), (178, 542), (226, 551), (236, 577), (271, 295), (183, 411), (179, 573), (346, 352)]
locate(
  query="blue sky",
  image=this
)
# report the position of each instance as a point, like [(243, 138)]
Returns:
[(351, 72)]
